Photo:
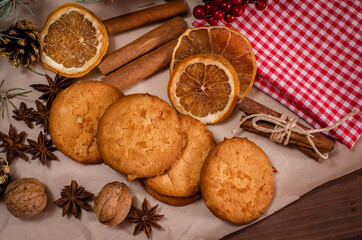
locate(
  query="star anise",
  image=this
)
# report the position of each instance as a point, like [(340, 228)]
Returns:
[(73, 199), (41, 149), (51, 90), (42, 115), (11, 144), (24, 114), (145, 218)]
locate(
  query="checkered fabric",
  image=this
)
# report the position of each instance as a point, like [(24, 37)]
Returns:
[(309, 59)]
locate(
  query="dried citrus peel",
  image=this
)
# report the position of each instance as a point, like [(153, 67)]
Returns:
[(204, 86), (73, 40), (220, 40)]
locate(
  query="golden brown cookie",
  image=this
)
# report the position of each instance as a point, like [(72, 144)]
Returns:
[(237, 180), (74, 117), (183, 178), (174, 201), (140, 135)]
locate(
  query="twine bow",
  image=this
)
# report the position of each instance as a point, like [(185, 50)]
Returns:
[(285, 125)]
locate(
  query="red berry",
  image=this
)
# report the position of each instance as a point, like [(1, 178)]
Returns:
[(199, 12), (236, 2), (217, 2), (212, 21), (237, 11), (209, 7), (260, 4), (229, 18), (217, 14), (225, 6)]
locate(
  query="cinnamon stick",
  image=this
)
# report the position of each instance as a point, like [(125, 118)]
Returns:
[(322, 142), (142, 67), (149, 41), (145, 16)]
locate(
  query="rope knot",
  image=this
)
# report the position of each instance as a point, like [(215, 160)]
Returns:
[(285, 125), (284, 129)]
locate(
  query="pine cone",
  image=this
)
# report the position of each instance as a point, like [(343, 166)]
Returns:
[(20, 43)]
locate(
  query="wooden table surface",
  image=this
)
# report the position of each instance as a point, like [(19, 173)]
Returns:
[(330, 211)]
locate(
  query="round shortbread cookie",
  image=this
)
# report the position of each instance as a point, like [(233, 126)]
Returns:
[(140, 135), (237, 180), (174, 201), (74, 117), (183, 178)]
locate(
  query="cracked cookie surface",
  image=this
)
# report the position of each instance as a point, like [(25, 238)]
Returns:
[(140, 135), (237, 180), (182, 179), (74, 117)]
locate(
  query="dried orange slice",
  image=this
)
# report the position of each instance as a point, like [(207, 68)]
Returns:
[(230, 44), (204, 86), (73, 40)]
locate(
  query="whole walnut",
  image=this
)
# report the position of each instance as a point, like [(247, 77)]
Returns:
[(113, 203), (25, 197)]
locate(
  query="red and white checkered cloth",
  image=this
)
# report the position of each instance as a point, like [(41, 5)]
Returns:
[(309, 59)]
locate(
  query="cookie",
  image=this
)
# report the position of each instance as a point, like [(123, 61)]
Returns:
[(140, 135), (74, 117), (183, 178), (237, 180), (174, 201)]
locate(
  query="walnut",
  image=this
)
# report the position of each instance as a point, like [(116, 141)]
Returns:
[(113, 203), (25, 197)]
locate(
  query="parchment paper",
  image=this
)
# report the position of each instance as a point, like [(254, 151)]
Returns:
[(297, 174)]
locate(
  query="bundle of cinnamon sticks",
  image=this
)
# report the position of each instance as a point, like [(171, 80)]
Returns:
[(323, 143), (147, 54)]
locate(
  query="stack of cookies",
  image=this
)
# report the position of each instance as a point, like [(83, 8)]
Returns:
[(174, 156), (180, 184), (139, 135)]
